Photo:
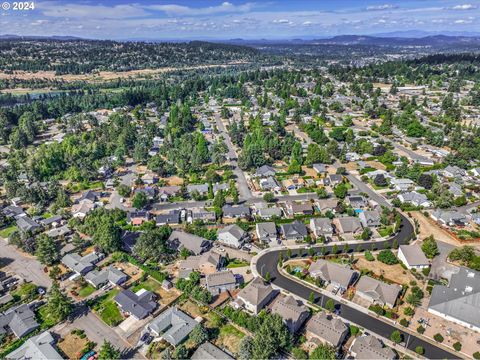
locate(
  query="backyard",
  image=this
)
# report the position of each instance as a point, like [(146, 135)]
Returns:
[(107, 309), (6, 232)]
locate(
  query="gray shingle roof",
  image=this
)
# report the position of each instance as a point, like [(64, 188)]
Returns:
[(369, 347), (332, 272), (140, 304), (255, 292), (193, 243), (378, 290), (208, 351), (294, 229), (332, 330), (38, 347), (414, 255), (20, 320), (174, 324), (220, 278)]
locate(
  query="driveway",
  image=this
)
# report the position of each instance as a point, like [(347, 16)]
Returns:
[(23, 265), (97, 331)]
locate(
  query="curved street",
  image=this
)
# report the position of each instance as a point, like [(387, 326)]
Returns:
[(268, 260)]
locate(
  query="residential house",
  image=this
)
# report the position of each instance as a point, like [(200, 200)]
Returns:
[(173, 325), (129, 239), (356, 202), (53, 221), (377, 292), (40, 347), (268, 213), (148, 191), (81, 264), (27, 225), (255, 296), (294, 231), (413, 257), (233, 236), (269, 184), (414, 198), (193, 243), (235, 212), (110, 275), (455, 190), (454, 172), (320, 168), (265, 171), (149, 178), (173, 217), (166, 192), (327, 329), (202, 189), (61, 231), (402, 184), (220, 282), (208, 351), (460, 300), (293, 312), (333, 180), (12, 211), (19, 320), (332, 273), (296, 209), (368, 347), (370, 218), (449, 217), (138, 217), (203, 215), (321, 227), (347, 225), (266, 232), (207, 263), (139, 304), (325, 205)]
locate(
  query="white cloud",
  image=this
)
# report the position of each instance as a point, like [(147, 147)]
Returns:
[(180, 10), (463, 21), (464, 7), (381, 7), (126, 11), (281, 21)]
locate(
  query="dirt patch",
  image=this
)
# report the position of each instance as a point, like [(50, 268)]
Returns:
[(430, 227), (174, 180), (229, 338), (168, 297), (72, 346), (309, 171), (393, 273), (104, 75)]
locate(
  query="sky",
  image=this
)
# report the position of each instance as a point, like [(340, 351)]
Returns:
[(256, 19)]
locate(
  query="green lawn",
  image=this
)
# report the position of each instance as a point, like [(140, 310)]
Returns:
[(5, 233), (149, 284), (237, 263), (108, 310), (86, 290), (385, 231), (44, 319)]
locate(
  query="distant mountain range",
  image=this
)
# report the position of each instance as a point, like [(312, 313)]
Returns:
[(33, 37), (401, 38), (430, 40)]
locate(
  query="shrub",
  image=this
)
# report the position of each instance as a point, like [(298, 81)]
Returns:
[(369, 256), (387, 257), (476, 355), (354, 330), (457, 346), (438, 338), (404, 322), (419, 350), (396, 337), (408, 311), (377, 309), (426, 271), (420, 329)]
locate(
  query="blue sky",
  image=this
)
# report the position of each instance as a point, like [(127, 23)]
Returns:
[(202, 19)]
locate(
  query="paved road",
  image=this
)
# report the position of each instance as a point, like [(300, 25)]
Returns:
[(268, 263), (96, 330), (23, 265), (243, 189)]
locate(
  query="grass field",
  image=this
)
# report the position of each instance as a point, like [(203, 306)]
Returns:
[(150, 284), (5, 233), (86, 290), (108, 310)]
